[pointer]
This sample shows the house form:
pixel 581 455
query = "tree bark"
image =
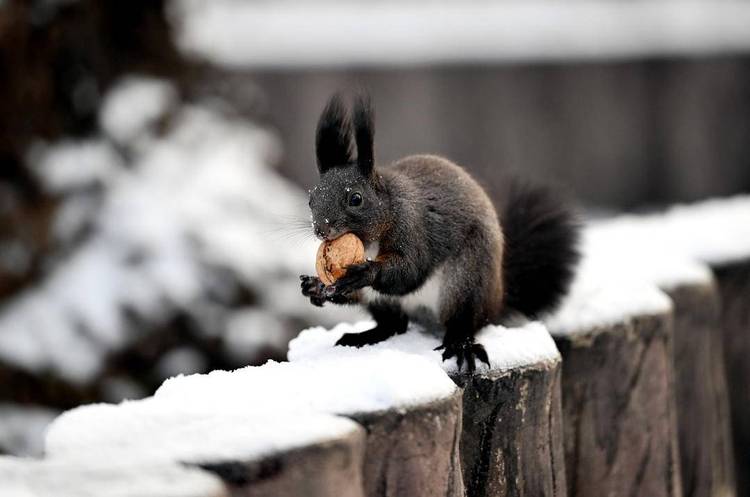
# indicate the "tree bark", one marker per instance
pixel 414 451
pixel 705 441
pixel 320 470
pixel 620 433
pixel 734 286
pixel 512 432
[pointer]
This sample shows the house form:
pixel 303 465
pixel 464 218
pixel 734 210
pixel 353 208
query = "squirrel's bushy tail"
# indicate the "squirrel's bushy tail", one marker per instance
pixel 541 233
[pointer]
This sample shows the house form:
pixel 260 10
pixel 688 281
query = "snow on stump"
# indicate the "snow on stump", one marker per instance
pixel 511 438
pixel 255 453
pixel 30 477
pixel 409 407
pixel 645 249
pixel 717 232
pixel 620 431
pixel 734 284
pixel 275 429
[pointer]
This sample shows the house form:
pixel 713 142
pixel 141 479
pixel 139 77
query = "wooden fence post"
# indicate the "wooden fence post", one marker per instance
pixel 646 248
pixel 705 438
pixel 619 426
pixel 511 439
pixel 512 431
pixel 734 285
pixel 310 454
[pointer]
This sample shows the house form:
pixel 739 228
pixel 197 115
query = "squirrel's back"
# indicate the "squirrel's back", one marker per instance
pixel 531 238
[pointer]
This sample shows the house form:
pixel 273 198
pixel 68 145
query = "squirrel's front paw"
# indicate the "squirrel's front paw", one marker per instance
pixel 357 276
pixel 313 288
pixel 464 349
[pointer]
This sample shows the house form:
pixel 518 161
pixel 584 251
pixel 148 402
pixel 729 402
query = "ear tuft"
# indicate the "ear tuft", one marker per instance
pixel 364 133
pixel 333 138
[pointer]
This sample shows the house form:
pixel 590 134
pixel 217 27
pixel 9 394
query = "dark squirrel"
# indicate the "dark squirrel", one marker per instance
pixel 434 238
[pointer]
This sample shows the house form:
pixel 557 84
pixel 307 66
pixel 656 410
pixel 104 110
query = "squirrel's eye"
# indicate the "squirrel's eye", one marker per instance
pixel 355 200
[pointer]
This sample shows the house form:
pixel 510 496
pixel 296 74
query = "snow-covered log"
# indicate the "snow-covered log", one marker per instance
pixel 734 284
pixel 644 248
pixel 28 477
pixel 256 454
pixel 620 431
pixel 717 233
pixel 511 438
pixel 276 429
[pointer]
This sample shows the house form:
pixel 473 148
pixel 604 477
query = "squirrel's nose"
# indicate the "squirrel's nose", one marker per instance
pixel 322 231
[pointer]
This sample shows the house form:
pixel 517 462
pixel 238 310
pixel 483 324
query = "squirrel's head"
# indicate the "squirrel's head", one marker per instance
pixel 350 195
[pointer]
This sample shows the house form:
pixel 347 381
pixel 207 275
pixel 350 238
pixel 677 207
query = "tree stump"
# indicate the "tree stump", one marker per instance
pixel 512 431
pixel 30 477
pixel 327 468
pixel 414 451
pixel 734 285
pixel 510 438
pixel 263 455
pixel 705 439
pixel 647 248
pixel 617 394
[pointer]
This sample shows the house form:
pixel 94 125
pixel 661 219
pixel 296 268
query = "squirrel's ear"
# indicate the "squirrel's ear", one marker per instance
pixel 364 132
pixel 334 136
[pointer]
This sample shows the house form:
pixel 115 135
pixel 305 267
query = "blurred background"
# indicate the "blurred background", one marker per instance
pixel 155 156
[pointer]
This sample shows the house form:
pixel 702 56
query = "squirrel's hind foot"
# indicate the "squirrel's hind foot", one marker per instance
pixel 369 337
pixel 465 350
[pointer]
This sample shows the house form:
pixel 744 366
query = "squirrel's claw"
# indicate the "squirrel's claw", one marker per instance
pixel 465 350
pixel 313 288
pixel 357 276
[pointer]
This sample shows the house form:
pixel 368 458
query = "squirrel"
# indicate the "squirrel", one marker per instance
pixel 434 239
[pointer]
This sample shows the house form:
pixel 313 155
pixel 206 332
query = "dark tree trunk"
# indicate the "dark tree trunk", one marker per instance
pixel 706 457
pixel 734 286
pixel 512 432
pixel 332 468
pixel 414 451
pixel 620 432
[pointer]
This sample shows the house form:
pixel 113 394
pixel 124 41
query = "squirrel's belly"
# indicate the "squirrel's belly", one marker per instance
pixel 426 296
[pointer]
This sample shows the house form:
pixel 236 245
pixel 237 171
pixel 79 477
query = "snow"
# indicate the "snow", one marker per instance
pixel 715 231
pixel 250 412
pixel 147 216
pixel 134 105
pixel 597 301
pixel 241 34
pixel 627 257
pixel 30 478
pixel 153 430
pixel 22 428
pixel 506 348
pixel 69 164
pixel 347 382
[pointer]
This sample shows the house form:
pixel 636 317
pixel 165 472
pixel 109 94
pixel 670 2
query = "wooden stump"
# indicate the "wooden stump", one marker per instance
pixel 734 286
pixel 510 435
pixel 512 432
pixel 30 477
pixel 705 441
pixel 414 451
pixel 256 455
pixel 324 469
pixel 619 422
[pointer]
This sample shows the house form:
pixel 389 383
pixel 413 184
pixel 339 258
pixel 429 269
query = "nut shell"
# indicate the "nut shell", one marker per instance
pixel 335 255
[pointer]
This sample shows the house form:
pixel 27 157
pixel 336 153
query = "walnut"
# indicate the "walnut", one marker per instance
pixel 335 255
